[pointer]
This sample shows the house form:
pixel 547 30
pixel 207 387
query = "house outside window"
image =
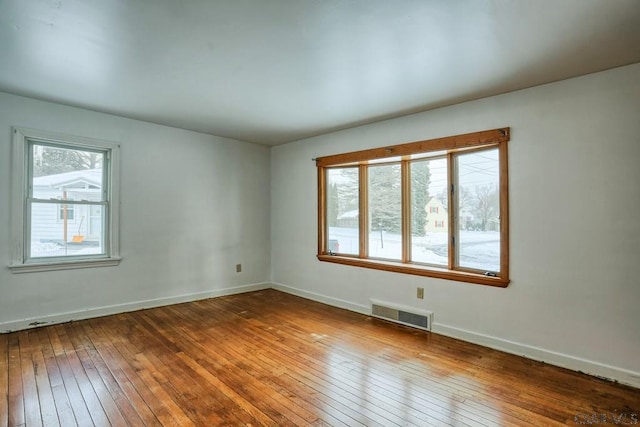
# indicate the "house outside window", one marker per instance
pixel 66 212
pixel 65 194
pixel 436 208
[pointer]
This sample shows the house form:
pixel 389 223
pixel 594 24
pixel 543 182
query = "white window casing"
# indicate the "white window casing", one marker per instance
pixel 21 179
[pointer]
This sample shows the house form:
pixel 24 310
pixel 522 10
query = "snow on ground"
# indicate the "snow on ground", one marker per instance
pixel 51 249
pixel 478 249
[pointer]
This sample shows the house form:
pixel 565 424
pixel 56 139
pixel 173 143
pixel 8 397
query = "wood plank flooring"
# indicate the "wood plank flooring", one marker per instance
pixel 269 358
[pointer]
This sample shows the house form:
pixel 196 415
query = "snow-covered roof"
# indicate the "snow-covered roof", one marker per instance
pixel 434 201
pixel 88 176
pixel 350 214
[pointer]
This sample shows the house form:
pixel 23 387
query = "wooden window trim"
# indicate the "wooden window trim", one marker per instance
pixel 363 206
pixel 451 144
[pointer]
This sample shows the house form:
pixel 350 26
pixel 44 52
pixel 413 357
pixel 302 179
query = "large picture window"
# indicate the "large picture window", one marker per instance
pixel 435 208
pixel 65 192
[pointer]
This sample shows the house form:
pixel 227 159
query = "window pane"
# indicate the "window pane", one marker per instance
pixel 66 174
pixel 343 210
pixel 429 216
pixel 66 211
pixel 53 235
pixel 479 210
pixel 385 211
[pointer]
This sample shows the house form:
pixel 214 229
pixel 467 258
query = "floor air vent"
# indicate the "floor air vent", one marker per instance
pixel 405 315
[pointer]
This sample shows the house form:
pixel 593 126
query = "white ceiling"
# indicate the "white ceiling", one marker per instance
pixel 274 71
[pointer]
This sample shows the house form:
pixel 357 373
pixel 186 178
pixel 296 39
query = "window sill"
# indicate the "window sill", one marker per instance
pixel 419 270
pixel 63 265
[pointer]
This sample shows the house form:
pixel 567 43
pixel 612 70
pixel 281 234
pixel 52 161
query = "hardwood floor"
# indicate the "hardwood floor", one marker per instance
pixel 269 358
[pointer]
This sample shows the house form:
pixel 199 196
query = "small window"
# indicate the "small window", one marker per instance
pixel 65 198
pixel 435 208
pixel 66 212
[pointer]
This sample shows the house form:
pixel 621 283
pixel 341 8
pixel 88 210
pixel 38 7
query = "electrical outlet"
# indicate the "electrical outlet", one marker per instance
pixel 420 293
pixel 238 268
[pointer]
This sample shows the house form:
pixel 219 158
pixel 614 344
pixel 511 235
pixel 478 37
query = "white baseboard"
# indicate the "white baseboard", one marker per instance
pixel 590 367
pixel 335 302
pixel 573 363
pixel 32 322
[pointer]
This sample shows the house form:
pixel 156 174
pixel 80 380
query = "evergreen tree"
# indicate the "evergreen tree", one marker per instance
pixel 55 160
pixel 348 190
pixel 385 199
pixel 332 205
pixel 420 177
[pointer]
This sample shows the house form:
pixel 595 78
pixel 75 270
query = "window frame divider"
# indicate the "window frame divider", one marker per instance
pixel 405 182
pixel 452 200
pixel 363 206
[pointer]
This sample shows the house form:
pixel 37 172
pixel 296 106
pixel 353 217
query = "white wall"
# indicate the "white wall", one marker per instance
pixel 192 207
pixel 574 171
